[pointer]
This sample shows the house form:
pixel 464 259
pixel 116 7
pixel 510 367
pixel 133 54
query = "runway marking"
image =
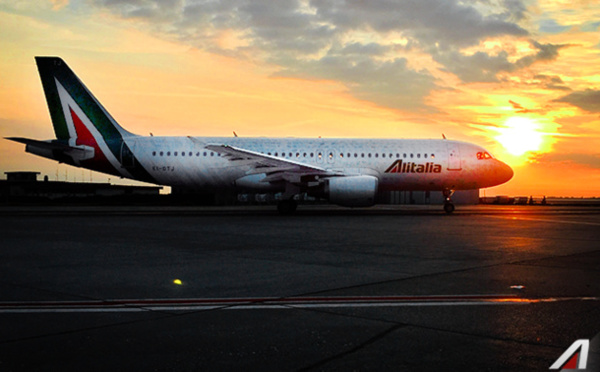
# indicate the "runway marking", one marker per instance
pixel 202 304
pixel 545 220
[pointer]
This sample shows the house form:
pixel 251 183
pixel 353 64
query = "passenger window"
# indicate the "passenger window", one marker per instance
pixel 383 155
pixel 411 155
pixel 425 155
pixel 161 153
pixel 419 156
pixel 404 155
pixel 175 153
pixel 153 153
pixel 168 153
pixel 182 153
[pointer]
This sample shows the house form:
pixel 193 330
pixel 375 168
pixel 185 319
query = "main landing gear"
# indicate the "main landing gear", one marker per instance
pixel 448 205
pixel 287 207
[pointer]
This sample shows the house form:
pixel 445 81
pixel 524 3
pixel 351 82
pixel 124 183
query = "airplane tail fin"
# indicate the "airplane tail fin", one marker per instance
pixel 71 103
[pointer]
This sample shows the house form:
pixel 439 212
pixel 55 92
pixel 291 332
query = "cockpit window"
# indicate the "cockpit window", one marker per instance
pixel 482 155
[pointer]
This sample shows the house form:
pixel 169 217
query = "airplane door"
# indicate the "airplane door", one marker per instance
pixel 127 160
pixel 454 157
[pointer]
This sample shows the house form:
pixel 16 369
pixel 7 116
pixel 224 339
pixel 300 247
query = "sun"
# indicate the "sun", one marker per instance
pixel 520 135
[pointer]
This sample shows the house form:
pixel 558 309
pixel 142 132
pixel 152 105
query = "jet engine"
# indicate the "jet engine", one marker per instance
pixel 353 191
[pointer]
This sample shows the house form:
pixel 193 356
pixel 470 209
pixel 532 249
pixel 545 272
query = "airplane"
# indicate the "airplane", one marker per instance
pixel 347 172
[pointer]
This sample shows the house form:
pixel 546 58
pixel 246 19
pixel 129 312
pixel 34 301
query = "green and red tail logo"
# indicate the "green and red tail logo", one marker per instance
pixel 80 120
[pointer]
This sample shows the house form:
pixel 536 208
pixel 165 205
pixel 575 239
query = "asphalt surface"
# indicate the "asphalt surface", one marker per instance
pixel 388 288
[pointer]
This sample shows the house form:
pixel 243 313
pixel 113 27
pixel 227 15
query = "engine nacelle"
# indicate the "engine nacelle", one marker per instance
pixel 354 191
pixel 254 182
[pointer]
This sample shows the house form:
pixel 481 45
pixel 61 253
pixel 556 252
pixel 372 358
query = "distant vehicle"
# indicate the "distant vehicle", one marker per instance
pixel 347 172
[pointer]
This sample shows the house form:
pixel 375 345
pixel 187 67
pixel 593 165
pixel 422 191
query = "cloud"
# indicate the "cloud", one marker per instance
pixel 587 160
pixel 351 41
pixel 427 21
pixel 546 52
pixel 59 4
pixel 551 82
pixel 519 108
pixel 389 83
pixel 550 26
pixel 588 100
pixel 483 67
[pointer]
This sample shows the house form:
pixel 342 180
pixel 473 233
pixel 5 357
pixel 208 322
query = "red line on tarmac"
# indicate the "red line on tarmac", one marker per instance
pixel 197 304
pixel 254 300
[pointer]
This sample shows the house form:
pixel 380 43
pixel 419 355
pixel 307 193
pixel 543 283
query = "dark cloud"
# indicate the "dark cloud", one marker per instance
pixel 546 52
pixel 452 23
pixel 318 38
pixel 479 67
pixel 588 100
pixel 519 108
pixel 389 83
pixel 482 67
pixel 359 49
pixel 551 82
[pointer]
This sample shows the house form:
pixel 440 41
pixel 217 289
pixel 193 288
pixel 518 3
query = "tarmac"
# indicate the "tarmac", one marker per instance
pixel 99 288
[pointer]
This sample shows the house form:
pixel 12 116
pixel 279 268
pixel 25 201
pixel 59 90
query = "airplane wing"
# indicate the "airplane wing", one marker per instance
pixel 276 169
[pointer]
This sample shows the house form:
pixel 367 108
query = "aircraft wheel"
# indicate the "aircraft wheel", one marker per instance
pixel 448 207
pixel 287 207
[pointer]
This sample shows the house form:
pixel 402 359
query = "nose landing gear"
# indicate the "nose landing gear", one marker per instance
pixel 448 205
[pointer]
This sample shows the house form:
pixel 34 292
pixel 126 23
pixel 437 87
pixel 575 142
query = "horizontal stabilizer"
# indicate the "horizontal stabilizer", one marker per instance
pixel 52 145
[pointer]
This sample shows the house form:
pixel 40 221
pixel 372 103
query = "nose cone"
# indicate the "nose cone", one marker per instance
pixel 504 172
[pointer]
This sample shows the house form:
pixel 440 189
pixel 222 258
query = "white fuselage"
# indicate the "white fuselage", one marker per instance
pixel 403 164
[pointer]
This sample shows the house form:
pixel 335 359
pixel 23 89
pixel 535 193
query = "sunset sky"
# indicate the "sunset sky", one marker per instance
pixel 519 77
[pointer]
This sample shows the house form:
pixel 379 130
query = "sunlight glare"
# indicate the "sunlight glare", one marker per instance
pixel 520 135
